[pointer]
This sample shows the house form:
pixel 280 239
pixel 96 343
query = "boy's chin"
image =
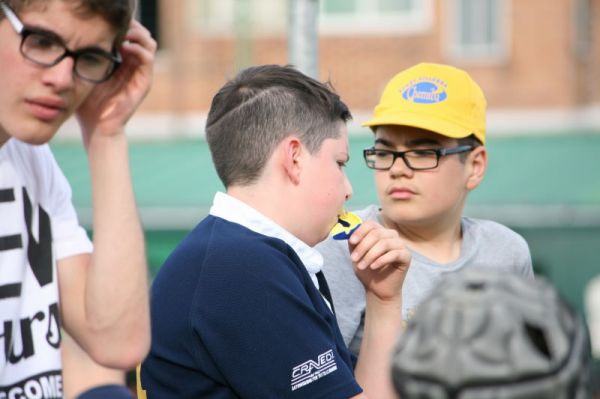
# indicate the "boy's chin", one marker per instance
pixel 37 135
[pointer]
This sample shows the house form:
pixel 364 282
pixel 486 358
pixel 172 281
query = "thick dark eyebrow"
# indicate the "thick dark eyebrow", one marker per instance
pixel 55 36
pixel 421 141
pixel 383 142
pixel 45 32
pixel 424 141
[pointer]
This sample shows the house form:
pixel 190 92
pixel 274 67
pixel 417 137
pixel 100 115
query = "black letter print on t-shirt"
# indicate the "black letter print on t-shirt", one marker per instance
pixel 39 252
pixel 8 243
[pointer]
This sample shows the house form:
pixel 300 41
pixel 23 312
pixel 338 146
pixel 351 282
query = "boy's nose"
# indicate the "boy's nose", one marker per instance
pixel 60 75
pixel 400 167
pixel 348 188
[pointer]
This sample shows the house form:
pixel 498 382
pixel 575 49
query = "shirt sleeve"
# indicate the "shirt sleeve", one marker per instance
pixel 263 332
pixel 519 250
pixel 69 238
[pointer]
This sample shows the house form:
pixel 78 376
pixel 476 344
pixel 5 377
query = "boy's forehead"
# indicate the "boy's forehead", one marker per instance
pixel 343 130
pixel 35 5
pixel 57 16
pixel 344 136
pixel 401 134
pixel 338 144
pixel 78 8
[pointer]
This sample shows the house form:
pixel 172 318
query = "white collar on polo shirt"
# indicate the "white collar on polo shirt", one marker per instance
pixel 233 210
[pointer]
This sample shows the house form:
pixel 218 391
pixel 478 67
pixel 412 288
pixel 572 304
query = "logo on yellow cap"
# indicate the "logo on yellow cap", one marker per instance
pixel 425 91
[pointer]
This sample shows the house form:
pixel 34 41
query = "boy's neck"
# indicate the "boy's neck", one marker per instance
pixel 439 241
pixel 264 201
pixel 3 138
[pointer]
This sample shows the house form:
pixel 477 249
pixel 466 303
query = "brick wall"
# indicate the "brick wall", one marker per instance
pixel 541 71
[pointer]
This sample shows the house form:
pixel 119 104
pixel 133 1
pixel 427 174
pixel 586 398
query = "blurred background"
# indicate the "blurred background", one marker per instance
pixel 538 62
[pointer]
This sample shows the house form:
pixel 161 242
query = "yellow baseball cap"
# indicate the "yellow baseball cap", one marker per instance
pixel 435 97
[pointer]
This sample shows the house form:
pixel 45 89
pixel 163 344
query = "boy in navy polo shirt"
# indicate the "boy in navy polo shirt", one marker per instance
pixel 237 310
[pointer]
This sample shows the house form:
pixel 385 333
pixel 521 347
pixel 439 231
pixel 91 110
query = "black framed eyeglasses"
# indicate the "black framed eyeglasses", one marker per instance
pixel 47 49
pixel 421 159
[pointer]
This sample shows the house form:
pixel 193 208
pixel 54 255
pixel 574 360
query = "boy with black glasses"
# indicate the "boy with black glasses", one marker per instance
pixel 57 59
pixel 428 154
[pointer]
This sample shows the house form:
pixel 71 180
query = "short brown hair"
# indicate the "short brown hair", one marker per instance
pixel 261 106
pixel 117 13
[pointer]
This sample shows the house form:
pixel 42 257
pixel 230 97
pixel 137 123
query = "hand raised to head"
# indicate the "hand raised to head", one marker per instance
pixel 110 104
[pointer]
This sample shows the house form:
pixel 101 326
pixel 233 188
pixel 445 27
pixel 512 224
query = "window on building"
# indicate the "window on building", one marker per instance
pixel 376 16
pixel 478 29
pixel 582 26
pixel 333 7
pixel 225 17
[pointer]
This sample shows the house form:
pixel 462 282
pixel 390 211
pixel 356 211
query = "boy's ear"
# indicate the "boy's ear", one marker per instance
pixel 292 152
pixel 477 165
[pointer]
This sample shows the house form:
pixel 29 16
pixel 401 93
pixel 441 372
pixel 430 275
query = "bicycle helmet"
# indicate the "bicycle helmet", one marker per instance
pixel 484 335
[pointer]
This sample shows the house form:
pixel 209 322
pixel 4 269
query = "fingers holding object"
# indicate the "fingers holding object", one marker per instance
pixel 374 246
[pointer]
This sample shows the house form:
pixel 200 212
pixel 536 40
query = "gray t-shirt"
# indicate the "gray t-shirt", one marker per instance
pixel 486 245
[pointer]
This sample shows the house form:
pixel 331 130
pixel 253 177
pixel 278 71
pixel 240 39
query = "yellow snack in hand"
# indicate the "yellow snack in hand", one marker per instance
pixel 347 223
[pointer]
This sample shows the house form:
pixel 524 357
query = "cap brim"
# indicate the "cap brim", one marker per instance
pixel 443 127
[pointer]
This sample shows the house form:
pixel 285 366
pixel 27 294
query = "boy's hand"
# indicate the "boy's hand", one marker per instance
pixel 110 104
pixel 380 260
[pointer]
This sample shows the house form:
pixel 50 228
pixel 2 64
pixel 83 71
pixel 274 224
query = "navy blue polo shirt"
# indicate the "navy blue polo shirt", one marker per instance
pixel 235 314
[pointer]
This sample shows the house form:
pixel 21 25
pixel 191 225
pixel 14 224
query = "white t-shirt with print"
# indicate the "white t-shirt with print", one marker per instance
pixel 38 225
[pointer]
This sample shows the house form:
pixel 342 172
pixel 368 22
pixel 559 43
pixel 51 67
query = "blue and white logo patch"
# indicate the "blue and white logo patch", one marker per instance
pixel 425 91
pixel 312 370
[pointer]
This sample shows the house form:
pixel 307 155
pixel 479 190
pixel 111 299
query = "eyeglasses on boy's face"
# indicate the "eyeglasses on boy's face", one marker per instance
pixel 47 49
pixel 421 159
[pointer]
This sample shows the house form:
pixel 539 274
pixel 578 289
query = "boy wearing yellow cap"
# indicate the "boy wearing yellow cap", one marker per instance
pixel 428 154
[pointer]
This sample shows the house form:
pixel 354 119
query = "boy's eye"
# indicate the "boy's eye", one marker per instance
pixel 39 41
pixel 91 59
pixel 382 153
pixel 423 153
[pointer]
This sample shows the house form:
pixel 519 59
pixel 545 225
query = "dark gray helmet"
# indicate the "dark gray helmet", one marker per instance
pixel 484 335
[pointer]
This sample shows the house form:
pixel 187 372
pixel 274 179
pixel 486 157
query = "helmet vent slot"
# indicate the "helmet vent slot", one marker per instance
pixel 538 338
pixel 476 285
